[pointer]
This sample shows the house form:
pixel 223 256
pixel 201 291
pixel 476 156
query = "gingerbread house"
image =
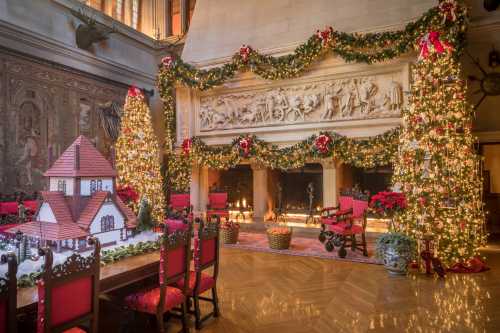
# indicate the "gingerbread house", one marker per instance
pixel 81 202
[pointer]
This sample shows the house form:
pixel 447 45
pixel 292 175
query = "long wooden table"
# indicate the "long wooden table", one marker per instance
pixel 113 276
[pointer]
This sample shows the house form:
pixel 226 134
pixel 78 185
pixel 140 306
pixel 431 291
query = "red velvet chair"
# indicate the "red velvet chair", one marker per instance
pixel 348 229
pixel 206 255
pixel 68 293
pixel 175 255
pixel 173 225
pixel 217 205
pixel 181 203
pixel 8 295
pixel 333 215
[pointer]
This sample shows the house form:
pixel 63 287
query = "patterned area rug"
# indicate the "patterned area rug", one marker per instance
pixel 301 246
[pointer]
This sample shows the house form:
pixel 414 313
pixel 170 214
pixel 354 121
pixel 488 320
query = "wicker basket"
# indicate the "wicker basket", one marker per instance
pixel 279 241
pixel 229 236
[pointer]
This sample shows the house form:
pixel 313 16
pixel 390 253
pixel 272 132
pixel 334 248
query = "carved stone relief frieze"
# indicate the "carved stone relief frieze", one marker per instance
pixel 364 97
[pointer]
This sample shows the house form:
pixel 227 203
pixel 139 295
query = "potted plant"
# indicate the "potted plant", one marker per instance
pixel 279 237
pixel 396 250
pixel 229 231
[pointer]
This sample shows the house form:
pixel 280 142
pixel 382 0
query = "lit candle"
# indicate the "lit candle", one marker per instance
pixel 238 204
pixel 244 203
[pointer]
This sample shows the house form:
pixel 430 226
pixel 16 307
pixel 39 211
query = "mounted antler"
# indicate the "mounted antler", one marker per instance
pixel 89 31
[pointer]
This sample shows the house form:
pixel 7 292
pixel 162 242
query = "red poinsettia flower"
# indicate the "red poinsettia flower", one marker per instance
pixel 245 144
pixel 322 142
pixel 133 91
pixel 245 52
pixel 167 61
pixel 186 146
pixel 325 35
pixel 127 194
pixel 387 203
pixel 448 9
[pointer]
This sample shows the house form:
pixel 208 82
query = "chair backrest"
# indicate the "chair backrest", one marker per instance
pixel 345 202
pixel 206 246
pixel 359 208
pixel 174 225
pixel 175 253
pixel 218 200
pixel 68 293
pixel 180 201
pixel 8 295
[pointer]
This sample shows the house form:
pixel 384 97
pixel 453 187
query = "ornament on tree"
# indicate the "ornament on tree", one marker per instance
pixel 322 143
pixel 448 9
pixel 186 146
pixel 431 43
pixel 245 52
pixel 167 61
pixel 326 36
pixel 135 92
pixel 244 145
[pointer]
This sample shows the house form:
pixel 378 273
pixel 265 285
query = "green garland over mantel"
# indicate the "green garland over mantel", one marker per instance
pixel 443 25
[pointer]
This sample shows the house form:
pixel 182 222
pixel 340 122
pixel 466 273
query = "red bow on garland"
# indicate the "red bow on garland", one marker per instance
pixel 325 36
pixel 167 61
pixel 322 143
pixel 245 144
pixel 432 42
pixel 186 146
pixel 448 9
pixel 245 52
pixel 133 91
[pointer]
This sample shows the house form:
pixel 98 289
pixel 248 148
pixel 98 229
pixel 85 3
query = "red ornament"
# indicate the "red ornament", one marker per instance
pixel 245 52
pixel 186 146
pixel 133 91
pixel 322 142
pixel 245 144
pixel 431 42
pixel 326 36
pixel 167 61
pixel 448 9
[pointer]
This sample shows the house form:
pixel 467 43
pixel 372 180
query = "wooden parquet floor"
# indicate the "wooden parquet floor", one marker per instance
pixel 272 293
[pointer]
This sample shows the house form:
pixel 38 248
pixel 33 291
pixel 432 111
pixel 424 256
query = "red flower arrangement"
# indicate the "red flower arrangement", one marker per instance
pixel 325 35
pixel 245 52
pixel 387 203
pixel 322 143
pixel 431 42
pixel 127 194
pixel 448 9
pixel 186 146
pixel 245 144
pixel 167 61
pixel 133 91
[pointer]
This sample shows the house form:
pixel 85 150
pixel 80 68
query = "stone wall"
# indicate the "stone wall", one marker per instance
pixel 43 108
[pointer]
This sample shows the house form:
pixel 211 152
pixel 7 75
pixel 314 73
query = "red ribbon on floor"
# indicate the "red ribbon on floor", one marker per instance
pixel 475 265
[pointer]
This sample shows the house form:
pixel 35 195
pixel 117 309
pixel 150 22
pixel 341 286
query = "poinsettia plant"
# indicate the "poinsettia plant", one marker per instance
pixel 245 145
pixel 323 143
pixel 387 203
pixel 127 194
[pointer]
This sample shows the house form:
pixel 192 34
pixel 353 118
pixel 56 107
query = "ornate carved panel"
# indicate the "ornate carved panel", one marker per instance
pixel 43 109
pixel 326 100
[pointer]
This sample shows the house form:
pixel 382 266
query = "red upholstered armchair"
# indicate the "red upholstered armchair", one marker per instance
pixel 333 215
pixel 217 205
pixel 180 203
pixel 175 254
pixel 206 255
pixel 8 295
pixel 346 231
pixel 68 293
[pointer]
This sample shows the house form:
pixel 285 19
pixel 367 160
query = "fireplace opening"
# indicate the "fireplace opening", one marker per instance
pixel 374 180
pixel 301 189
pixel 237 182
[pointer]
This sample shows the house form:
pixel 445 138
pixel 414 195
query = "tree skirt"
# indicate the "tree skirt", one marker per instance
pixel 301 246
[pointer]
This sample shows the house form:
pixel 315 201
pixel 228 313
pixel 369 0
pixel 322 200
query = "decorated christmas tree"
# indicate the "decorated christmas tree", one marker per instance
pixel 137 154
pixel 437 166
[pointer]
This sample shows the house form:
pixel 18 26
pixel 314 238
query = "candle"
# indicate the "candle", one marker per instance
pixel 244 203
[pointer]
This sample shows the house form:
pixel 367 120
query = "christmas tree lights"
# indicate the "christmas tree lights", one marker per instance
pixel 137 154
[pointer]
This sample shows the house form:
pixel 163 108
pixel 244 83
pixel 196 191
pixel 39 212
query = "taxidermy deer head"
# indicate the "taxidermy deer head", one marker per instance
pixel 89 32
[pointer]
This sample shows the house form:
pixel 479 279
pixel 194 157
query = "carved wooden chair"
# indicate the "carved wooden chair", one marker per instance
pixel 331 216
pixel 180 204
pixel 347 230
pixel 217 205
pixel 173 225
pixel 68 293
pixel 206 255
pixel 175 254
pixel 8 295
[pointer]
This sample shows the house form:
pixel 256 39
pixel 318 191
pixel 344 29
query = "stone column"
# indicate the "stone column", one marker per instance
pixel 204 187
pixel 260 192
pixel 329 183
pixel 194 189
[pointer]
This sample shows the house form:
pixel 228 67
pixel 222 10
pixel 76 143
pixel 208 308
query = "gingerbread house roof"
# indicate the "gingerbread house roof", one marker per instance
pixel 59 206
pixel 81 159
pixel 130 217
pixel 50 230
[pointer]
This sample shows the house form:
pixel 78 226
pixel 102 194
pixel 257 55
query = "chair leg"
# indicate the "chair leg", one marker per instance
pixel 160 322
pixel 185 328
pixel 342 251
pixel 363 239
pixel 215 300
pixel 197 313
